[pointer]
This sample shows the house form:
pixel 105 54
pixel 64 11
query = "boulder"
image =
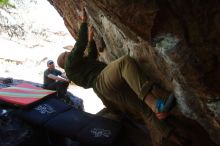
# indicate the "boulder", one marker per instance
pixel 175 42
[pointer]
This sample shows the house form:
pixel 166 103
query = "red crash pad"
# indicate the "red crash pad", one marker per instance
pixel 23 94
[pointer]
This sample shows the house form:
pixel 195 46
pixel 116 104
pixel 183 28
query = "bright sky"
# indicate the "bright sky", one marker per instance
pixel 45 14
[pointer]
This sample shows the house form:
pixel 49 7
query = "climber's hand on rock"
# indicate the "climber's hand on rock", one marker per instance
pixel 91 33
pixel 84 15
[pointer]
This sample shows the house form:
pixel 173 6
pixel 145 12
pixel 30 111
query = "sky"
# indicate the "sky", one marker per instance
pixel 45 14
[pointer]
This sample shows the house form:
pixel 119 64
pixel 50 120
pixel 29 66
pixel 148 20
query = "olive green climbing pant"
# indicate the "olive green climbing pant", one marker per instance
pixel 123 86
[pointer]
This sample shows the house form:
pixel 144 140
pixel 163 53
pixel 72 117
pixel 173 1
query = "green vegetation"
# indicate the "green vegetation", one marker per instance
pixel 6 3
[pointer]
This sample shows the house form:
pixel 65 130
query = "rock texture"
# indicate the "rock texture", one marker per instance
pixel 176 43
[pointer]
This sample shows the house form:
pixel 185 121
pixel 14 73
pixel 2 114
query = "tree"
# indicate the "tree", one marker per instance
pixel 6 3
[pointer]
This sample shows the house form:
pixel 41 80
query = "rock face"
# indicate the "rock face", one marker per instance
pixel 176 43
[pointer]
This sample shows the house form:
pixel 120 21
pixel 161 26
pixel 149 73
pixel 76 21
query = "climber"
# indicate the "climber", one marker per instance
pixel 120 85
pixel 55 80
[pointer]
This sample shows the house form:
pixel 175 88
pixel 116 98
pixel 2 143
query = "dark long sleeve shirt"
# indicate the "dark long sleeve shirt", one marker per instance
pixel 83 70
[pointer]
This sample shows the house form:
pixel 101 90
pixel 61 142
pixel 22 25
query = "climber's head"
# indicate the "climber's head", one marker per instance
pixel 62 59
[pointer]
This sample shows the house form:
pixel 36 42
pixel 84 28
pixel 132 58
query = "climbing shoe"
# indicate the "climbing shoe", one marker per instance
pixel 166 105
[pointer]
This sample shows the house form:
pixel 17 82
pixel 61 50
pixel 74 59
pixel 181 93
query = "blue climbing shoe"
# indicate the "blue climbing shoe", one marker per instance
pixel 166 105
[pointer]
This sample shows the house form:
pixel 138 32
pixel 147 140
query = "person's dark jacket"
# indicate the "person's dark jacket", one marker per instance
pixel 81 69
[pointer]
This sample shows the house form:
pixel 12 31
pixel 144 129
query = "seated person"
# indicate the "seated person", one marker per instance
pixel 55 80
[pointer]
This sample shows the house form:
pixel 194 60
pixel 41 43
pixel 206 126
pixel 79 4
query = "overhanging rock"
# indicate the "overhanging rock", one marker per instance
pixel 175 42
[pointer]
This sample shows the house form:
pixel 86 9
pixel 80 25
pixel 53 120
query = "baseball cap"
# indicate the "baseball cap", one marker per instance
pixel 49 62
